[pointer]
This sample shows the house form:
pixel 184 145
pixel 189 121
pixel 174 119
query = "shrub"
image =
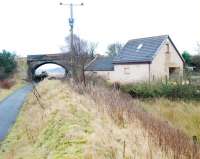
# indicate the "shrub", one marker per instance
pixel 6 84
pixel 8 64
pixel 187 57
pixel 195 61
pixel 169 90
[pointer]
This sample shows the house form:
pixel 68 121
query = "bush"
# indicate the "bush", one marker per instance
pixel 187 57
pixel 8 64
pixel 170 90
pixel 195 61
pixel 6 84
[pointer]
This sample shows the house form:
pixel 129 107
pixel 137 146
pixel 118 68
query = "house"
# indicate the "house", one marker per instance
pixel 143 59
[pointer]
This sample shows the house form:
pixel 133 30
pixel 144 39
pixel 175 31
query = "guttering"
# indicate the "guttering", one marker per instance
pixel 132 62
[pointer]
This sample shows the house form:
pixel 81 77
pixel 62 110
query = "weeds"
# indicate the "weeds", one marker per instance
pixel 123 109
pixel 6 84
pixel 169 90
pixel 9 86
pixel 100 123
pixel 181 114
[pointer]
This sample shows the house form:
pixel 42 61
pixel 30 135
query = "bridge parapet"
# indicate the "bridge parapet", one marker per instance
pixel 46 57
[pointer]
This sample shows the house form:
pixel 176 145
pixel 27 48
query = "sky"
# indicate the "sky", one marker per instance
pixel 51 69
pixel 40 26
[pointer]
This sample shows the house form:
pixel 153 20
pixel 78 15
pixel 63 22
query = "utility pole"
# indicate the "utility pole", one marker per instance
pixel 71 21
pixel 72 49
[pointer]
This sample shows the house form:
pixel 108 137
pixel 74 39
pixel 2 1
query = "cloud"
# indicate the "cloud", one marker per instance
pixel 39 26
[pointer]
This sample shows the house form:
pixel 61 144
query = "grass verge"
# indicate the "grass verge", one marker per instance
pixel 180 114
pixel 6 92
pixel 91 123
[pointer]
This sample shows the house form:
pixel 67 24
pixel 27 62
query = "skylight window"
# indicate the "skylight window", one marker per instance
pixel 139 46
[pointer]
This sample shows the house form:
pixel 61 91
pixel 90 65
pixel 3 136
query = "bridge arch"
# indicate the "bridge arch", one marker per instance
pixel 35 61
pixel 50 62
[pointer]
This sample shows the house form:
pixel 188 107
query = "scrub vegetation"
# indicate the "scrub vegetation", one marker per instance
pixel 15 79
pixel 91 122
pixel 180 114
pixel 8 64
pixel 171 90
pixel 174 102
pixel 9 86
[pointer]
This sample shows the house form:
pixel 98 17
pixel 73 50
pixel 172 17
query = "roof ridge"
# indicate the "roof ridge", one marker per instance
pixel 164 35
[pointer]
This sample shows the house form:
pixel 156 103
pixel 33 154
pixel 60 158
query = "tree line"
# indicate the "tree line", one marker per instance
pixel 8 64
pixel 192 60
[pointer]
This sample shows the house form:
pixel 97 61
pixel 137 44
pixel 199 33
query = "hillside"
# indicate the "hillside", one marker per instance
pixel 74 125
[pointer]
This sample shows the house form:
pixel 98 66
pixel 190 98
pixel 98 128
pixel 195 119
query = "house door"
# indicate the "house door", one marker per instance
pixel 174 72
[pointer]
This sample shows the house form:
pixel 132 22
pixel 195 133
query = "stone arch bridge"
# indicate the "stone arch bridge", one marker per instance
pixel 35 61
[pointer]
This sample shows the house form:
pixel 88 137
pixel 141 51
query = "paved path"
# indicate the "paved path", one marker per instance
pixel 9 109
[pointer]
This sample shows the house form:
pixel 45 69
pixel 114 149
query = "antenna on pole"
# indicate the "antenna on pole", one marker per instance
pixel 71 19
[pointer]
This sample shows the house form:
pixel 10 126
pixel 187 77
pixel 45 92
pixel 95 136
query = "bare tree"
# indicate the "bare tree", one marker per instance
pixel 92 48
pixel 198 48
pixel 79 55
pixel 114 49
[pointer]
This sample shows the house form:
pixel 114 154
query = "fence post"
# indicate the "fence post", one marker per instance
pixel 37 95
pixel 166 80
pixel 181 80
pixel 194 138
pixel 124 149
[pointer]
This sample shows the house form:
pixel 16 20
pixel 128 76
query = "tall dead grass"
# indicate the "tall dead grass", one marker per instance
pixel 100 123
pixel 124 110
pixel 73 126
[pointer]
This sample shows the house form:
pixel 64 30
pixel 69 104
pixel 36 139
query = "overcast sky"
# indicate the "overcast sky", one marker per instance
pixel 39 26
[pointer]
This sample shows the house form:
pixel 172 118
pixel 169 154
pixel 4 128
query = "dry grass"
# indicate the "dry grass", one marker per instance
pixel 6 92
pixel 22 68
pixel 83 125
pixel 180 114
pixel 122 110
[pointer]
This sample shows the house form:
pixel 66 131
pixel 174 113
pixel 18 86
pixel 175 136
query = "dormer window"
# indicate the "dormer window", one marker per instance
pixel 139 47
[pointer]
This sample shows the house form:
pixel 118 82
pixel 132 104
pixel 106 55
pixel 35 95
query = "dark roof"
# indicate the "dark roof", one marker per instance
pixel 140 50
pixel 100 63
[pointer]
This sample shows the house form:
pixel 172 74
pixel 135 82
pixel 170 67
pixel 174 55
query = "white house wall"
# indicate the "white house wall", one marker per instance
pixel 125 73
pixel 105 74
pixel 130 73
pixel 157 67
pixel 162 61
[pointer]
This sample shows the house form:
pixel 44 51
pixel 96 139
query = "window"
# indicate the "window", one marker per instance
pixel 94 73
pixel 139 46
pixel 126 70
pixel 167 48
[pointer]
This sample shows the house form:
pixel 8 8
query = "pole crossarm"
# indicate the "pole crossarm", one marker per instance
pixel 73 4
